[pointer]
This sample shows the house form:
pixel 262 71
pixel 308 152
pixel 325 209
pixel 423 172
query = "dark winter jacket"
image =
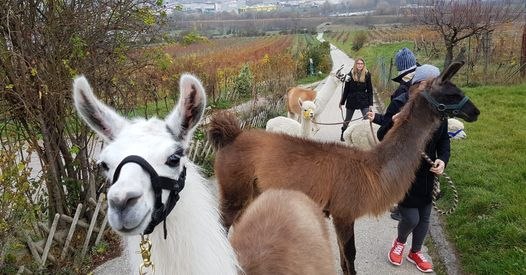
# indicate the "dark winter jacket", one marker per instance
pixel 421 190
pixel 357 95
pixel 403 88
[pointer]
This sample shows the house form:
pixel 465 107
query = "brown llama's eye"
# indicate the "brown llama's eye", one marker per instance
pixel 173 160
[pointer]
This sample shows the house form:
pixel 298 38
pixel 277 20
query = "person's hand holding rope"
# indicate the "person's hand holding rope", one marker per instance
pixel 438 167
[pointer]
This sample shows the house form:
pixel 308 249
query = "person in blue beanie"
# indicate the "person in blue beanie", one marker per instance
pixel 406 64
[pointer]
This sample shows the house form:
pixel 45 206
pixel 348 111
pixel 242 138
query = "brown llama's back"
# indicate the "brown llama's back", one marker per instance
pixel 283 232
pixel 293 94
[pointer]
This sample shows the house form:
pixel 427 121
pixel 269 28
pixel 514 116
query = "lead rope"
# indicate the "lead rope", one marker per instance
pixel 436 182
pixel 436 189
pixel 146 254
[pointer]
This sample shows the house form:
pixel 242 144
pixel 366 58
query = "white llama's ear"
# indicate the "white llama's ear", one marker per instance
pixel 189 110
pixel 300 102
pixel 101 118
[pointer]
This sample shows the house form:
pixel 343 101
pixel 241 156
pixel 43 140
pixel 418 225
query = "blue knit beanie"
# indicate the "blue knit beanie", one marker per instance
pixel 405 59
pixel 425 72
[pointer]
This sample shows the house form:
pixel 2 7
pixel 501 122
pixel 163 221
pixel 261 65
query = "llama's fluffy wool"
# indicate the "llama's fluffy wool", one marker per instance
pixel 359 135
pixel 284 125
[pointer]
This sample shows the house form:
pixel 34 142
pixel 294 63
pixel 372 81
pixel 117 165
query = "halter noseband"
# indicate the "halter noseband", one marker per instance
pixel 160 211
pixel 445 109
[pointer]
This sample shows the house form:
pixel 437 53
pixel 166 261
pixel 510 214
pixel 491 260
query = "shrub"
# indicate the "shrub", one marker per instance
pixel 16 209
pixel 359 40
pixel 244 81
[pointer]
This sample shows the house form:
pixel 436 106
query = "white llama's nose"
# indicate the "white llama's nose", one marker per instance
pixel 124 199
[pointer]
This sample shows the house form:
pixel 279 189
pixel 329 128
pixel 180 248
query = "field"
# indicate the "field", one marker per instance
pixel 496 62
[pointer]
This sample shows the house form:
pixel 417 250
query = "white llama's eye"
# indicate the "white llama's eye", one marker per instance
pixel 103 165
pixel 173 160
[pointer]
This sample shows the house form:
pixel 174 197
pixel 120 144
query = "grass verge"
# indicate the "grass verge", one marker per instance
pixel 489 169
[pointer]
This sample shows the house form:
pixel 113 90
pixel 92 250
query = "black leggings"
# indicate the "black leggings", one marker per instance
pixel 350 112
pixel 416 221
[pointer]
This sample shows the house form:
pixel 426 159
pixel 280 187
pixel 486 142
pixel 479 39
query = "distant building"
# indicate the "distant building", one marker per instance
pixel 258 8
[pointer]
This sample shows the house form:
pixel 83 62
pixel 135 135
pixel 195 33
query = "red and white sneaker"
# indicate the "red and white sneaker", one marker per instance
pixel 420 261
pixel 395 254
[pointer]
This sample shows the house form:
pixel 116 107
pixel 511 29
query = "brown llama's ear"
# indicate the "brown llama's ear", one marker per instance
pixel 453 68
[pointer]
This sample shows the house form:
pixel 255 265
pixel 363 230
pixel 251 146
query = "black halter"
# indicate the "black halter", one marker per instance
pixel 444 109
pixel 160 211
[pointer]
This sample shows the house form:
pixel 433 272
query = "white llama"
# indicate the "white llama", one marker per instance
pixel 196 242
pixel 359 134
pixel 332 85
pixel 292 127
pixel 455 129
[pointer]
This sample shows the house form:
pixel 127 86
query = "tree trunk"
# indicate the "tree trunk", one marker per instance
pixel 523 52
pixel 449 54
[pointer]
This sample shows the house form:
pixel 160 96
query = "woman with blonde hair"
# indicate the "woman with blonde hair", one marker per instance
pixel 358 92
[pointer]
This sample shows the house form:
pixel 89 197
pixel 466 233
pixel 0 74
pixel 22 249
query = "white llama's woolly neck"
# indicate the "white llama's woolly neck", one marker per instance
pixel 306 126
pixel 196 241
pixel 328 89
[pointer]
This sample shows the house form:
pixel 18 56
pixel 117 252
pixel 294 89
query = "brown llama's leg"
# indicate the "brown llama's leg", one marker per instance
pixel 345 232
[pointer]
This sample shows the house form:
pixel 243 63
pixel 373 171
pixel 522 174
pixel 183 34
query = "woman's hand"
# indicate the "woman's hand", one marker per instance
pixel 370 115
pixel 438 167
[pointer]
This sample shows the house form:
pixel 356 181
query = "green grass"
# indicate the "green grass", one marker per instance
pixel 311 78
pixel 489 169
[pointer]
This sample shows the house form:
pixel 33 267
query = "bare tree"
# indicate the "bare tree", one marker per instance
pixel 523 52
pixel 458 20
pixel 43 44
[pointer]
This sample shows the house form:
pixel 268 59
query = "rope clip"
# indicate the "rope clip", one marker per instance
pixel 146 254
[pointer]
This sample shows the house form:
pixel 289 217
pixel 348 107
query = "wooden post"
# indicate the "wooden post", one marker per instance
pixel 49 239
pixel 101 231
pixel 79 222
pixel 91 226
pixel 32 247
pixel 71 231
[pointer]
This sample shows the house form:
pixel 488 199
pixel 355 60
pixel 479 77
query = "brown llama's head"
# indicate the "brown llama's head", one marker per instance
pixel 447 99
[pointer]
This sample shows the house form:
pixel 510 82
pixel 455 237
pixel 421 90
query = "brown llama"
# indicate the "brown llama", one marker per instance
pixel 346 182
pixel 293 96
pixel 287 225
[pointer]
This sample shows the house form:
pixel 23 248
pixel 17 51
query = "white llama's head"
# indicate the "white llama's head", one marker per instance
pixel 161 143
pixel 308 109
pixel 455 129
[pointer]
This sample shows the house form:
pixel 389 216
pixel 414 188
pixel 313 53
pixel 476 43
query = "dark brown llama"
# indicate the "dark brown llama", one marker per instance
pixel 292 235
pixel 347 182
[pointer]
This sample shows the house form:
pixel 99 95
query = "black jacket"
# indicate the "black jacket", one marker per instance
pixel 403 88
pixel 357 95
pixel 421 191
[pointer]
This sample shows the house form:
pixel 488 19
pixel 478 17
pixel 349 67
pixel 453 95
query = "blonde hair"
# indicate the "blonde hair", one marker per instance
pixel 357 75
